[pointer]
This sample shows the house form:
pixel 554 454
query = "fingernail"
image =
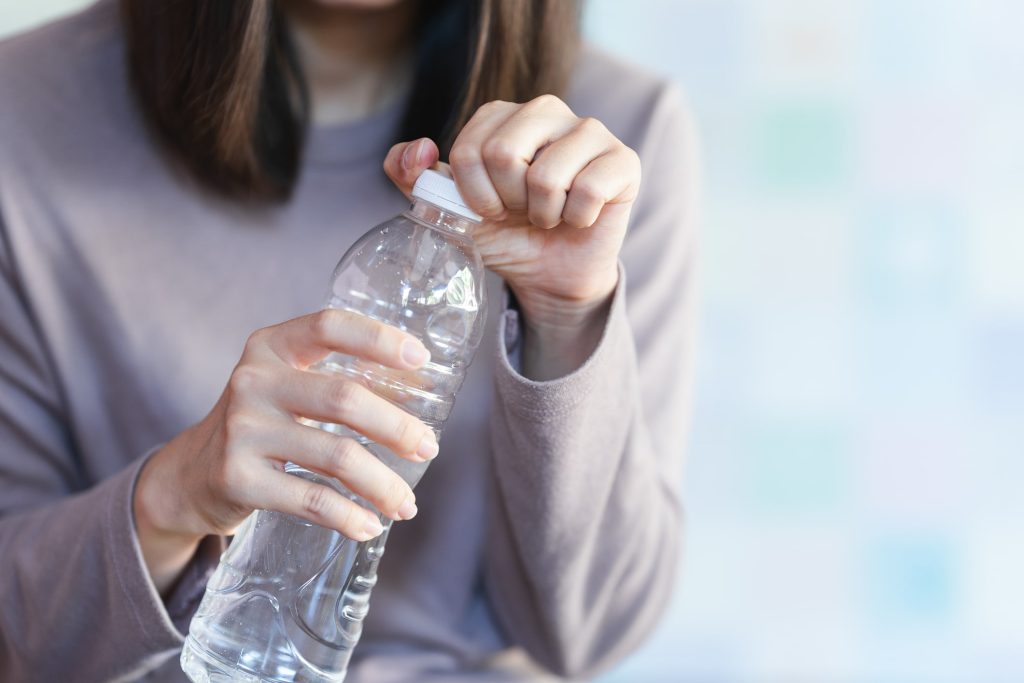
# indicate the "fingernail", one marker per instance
pixel 409 155
pixel 373 528
pixel 414 353
pixel 408 509
pixel 428 447
pixel 421 152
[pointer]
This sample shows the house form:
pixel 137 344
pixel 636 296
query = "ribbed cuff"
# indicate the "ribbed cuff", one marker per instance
pixel 163 624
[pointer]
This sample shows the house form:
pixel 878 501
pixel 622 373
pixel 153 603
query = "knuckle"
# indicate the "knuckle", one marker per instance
pixel 463 156
pixel 547 101
pixel 588 192
pixel 631 161
pixel 542 220
pixel 394 493
pixel 324 324
pixel 589 124
pixel 409 434
pixel 493 107
pixel 500 153
pixel 348 519
pixel 542 181
pixel 342 456
pixel 376 335
pixel 631 157
pixel 258 338
pixel 245 379
pixel 316 501
pixel 491 208
pixel 238 426
pixel 344 395
pixel 576 215
pixel 575 220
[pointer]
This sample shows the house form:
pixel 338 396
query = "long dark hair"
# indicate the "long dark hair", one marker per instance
pixel 220 85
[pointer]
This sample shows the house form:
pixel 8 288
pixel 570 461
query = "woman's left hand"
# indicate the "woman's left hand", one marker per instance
pixel 555 191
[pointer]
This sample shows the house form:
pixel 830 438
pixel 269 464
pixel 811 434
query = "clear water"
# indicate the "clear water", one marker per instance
pixel 287 603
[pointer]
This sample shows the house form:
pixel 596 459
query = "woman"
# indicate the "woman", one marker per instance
pixel 178 178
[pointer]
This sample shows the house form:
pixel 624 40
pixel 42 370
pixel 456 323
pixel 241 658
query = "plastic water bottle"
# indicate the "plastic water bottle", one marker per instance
pixel 288 600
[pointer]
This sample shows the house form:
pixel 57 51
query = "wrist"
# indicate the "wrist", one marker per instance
pixel 167 545
pixel 162 501
pixel 158 511
pixel 556 318
pixel 558 338
pixel 558 330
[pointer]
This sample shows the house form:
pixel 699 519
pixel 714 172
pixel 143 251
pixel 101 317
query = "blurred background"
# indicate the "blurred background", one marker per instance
pixel 855 478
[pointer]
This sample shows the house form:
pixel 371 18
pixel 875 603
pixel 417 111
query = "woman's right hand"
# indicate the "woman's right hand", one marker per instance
pixel 210 477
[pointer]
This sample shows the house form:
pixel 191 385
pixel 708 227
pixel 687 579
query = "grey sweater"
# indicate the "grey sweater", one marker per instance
pixel 550 527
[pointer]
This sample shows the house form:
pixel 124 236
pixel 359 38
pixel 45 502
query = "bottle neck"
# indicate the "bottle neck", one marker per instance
pixel 436 217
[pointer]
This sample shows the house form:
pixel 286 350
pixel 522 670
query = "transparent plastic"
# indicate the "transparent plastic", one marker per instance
pixel 287 603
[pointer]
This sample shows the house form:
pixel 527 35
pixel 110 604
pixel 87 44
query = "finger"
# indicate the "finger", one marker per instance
pixel 610 179
pixel 346 460
pixel 405 162
pixel 307 339
pixel 552 174
pixel 515 144
pixel 334 399
pixel 316 503
pixel 467 163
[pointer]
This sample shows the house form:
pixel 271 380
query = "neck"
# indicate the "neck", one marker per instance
pixel 356 62
pixel 441 219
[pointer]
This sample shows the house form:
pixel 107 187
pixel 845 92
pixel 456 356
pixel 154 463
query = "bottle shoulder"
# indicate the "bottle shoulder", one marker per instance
pixel 417 278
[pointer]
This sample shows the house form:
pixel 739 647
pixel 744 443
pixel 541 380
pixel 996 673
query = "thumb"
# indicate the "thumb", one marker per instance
pixel 407 160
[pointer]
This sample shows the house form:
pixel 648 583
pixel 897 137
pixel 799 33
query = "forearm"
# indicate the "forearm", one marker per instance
pixel 586 527
pixel 579 598
pixel 73 582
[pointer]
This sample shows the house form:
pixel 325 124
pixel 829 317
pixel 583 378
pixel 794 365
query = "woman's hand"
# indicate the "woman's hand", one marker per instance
pixel 555 191
pixel 213 475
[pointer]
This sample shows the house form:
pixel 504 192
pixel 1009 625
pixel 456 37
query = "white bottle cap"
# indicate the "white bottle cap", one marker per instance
pixel 440 190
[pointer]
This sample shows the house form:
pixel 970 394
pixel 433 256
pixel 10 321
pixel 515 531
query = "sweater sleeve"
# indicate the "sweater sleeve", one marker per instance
pixel 586 524
pixel 78 603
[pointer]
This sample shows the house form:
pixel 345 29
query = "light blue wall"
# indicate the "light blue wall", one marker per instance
pixel 17 16
pixel 855 474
